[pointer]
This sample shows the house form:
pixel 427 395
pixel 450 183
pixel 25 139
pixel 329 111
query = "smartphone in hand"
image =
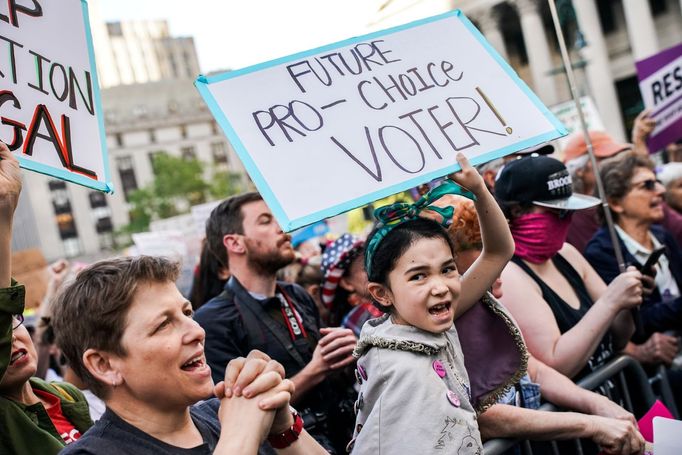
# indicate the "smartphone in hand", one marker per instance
pixel 648 267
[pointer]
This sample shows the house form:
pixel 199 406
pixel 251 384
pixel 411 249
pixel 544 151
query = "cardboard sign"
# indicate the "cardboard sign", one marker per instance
pixel 201 214
pixel 660 81
pixel 333 128
pixel 567 113
pixel 30 269
pixel 667 439
pixel 50 109
pixel 170 244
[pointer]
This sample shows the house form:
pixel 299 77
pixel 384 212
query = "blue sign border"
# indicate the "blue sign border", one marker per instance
pixel 61 173
pixel 202 83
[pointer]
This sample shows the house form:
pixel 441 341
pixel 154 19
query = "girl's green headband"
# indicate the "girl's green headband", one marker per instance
pixel 393 215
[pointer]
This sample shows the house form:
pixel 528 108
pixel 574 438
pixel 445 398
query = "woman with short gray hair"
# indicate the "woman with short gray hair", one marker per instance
pixel 635 199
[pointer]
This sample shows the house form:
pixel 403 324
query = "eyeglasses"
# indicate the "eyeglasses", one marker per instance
pixel 17 320
pixel 648 184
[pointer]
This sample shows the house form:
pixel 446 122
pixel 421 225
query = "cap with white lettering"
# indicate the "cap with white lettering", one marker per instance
pixel 542 181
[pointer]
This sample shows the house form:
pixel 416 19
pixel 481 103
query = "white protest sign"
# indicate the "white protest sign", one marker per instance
pixel 333 128
pixel 667 436
pixel 567 113
pixel 183 223
pixel 169 244
pixel 200 214
pixel 50 109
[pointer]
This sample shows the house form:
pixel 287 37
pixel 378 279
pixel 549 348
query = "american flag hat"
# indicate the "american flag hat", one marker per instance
pixel 335 260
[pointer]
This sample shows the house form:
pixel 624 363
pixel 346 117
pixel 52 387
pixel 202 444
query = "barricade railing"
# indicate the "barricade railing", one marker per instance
pixel 635 381
pixel 666 392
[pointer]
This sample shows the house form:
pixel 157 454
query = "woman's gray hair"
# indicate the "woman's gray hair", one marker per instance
pixel 616 174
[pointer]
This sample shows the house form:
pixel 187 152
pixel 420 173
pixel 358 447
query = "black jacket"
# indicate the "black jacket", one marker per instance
pixel 236 323
pixel 657 315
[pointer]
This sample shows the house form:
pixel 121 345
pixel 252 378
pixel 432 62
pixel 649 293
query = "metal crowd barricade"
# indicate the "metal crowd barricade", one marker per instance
pixel 665 391
pixel 636 381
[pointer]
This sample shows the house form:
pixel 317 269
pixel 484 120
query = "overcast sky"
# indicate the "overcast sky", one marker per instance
pixel 234 34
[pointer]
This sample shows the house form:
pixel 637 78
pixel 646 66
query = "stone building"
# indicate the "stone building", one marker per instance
pixel 614 34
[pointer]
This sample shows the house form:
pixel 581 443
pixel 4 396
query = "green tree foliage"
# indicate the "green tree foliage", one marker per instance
pixel 178 179
pixel 225 183
pixel 178 185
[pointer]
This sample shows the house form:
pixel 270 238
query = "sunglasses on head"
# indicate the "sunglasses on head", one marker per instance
pixel 648 184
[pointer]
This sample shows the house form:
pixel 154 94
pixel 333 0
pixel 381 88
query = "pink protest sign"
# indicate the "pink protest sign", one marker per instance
pixel 646 423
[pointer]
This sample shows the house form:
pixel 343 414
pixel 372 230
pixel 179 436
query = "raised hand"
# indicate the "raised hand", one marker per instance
pixel 468 177
pixel 335 348
pixel 10 181
pixel 644 125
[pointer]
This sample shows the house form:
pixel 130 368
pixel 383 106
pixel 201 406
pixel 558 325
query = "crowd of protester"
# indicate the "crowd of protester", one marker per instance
pixel 447 325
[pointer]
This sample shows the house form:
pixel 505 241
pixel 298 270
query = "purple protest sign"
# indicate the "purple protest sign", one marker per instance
pixel 660 81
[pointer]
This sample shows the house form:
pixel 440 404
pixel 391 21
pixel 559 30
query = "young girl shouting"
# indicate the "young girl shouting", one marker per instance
pixel 414 390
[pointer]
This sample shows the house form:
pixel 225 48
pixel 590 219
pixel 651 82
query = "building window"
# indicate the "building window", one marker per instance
pixel 106 241
pixel 114 29
pixel 72 247
pixel 56 185
pixel 61 205
pixel 97 199
pixel 60 197
pixel 152 136
pixel 67 226
pixel 188 153
pixel 215 129
pixel 183 131
pixel 140 111
pixel 658 7
pixel 219 152
pixel 118 137
pixel 127 175
pixel 174 66
pixel 606 16
pixel 104 224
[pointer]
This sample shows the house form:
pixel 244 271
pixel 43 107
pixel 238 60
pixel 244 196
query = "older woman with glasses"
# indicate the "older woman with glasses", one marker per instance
pixel 37 417
pixel 635 199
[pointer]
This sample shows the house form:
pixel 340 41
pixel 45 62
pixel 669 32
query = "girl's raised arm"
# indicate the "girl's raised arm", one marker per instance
pixel 498 244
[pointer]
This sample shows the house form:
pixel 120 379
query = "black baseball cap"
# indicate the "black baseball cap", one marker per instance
pixel 542 181
pixel 545 148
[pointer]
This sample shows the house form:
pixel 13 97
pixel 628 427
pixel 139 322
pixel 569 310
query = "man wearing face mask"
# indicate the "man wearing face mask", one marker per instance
pixel 570 319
